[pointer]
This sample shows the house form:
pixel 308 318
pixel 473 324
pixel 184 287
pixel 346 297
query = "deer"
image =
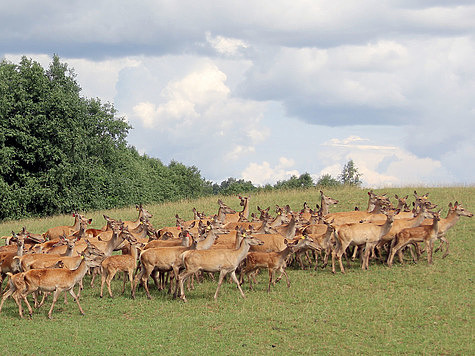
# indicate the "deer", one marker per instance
pixel 239 216
pixel 368 234
pixel 55 232
pixel 181 240
pixel 143 214
pixel 121 263
pixel 16 285
pixel 56 280
pixel 9 263
pixel 426 233
pixel 274 261
pixel 223 261
pixel 162 259
pixel 455 212
pixel 377 203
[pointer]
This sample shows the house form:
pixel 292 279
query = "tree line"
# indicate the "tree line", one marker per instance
pixel 61 152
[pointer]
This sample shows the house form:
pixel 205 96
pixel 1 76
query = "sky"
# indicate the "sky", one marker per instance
pixel 263 90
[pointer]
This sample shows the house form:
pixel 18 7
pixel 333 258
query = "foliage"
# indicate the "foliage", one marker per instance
pixel 61 152
pixel 350 175
pixel 233 186
pixel 303 181
pixel 327 180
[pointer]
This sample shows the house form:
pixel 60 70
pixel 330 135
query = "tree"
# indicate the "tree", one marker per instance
pixel 61 152
pixel 350 175
pixel 294 182
pixel 327 180
pixel 233 186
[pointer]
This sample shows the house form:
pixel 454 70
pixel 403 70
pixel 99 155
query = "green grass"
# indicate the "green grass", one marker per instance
pixel 409 309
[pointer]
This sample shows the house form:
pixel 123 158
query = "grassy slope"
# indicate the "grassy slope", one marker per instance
pixel 405 309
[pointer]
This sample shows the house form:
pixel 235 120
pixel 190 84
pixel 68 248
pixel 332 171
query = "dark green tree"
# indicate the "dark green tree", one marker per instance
pixel 327 180
pixel 233 186
pixel 61 152
pixel 294 182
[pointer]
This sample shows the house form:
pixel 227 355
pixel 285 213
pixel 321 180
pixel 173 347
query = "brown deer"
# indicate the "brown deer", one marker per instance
pixel 427 234
pixel 56 280
pixel 223 261
pixel 161 259
pixel 274 261
pixel 55 232
pixel 239 216
pixel 16 286
pixel 121 263
pixel 455 212
pixel 368 234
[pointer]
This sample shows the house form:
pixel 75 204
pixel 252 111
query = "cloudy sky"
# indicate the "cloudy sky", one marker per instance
pixel 263 90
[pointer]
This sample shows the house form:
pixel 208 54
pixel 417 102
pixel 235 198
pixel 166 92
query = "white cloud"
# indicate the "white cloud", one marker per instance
pixel 226 46
pixel 238 152
pixel 264 173
pixel 382 165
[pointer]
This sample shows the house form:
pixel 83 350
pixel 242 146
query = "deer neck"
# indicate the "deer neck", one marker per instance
pixel 286 252
pixel 242 251
pixel 80 272
pixel 324 207
pixel 387 226
pixel 451 219
pixel 143 233
pixel 69 251
pixel 112 244
pixel 208 241
pixel 245 209
pixel 289 231
pixel 418 219
pixel 277 221
pixel 77 222
pixel 221 214
pixel 19 251
pixel 134 252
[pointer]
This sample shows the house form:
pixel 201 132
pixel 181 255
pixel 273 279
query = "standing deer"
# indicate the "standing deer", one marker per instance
pixel 222 261
pixel 426 233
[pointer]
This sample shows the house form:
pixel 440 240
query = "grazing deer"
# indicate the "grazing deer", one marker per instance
pixel 427 234
pixel 222 261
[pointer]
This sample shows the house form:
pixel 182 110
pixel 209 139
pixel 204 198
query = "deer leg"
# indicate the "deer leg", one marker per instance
pixel 355 252
pixel 77 300
pixel 103 280
pixel 55 297
pixel 181 278
pixel 447 246
pixel 131 278
pixel 109 278
pixel 233 276
pixel 222 274
pixel 429 247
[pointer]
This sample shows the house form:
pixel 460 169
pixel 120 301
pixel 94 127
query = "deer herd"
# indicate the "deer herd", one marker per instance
pixel 231 243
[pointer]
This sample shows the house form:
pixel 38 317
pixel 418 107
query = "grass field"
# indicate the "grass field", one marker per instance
pixel 409 309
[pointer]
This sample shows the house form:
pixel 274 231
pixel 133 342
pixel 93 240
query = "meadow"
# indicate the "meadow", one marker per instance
pixel 406 309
